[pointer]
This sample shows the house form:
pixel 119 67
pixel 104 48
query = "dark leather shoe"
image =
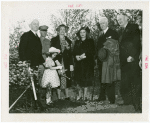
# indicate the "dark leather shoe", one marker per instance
pixel 67 98
pixel 123 104
pixel 112 103
pixel 80 99
pixel 100 99
pixel 58 100
pixel 51 105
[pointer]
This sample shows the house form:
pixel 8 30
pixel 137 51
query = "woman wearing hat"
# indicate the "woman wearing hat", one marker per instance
pixel 63 43
pixel 84 51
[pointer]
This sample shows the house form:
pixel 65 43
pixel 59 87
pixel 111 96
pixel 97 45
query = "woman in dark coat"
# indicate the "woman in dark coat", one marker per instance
pixel 84 51
pixel 65 58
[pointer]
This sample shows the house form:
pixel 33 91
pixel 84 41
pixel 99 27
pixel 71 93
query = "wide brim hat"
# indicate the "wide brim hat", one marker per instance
pixel 86 28
pixel 53 50
pixel 62 25
pixel 103 54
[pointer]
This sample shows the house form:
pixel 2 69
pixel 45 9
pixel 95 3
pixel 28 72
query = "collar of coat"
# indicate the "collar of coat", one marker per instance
pixel 33 34
pixel 102 34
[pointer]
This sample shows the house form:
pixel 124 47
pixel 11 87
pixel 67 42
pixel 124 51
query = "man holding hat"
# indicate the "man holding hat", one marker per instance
pixel 45 48
pixel 107 86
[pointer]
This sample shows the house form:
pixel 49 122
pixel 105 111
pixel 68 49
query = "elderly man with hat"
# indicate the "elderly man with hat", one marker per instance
pixel 105 62
pixel 45 48
pixel 62 42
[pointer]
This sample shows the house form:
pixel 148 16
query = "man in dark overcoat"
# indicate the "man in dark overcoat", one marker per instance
pixel 131 84
pixel 30 49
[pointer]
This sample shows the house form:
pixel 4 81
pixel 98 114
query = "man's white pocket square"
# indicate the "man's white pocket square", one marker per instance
pixel 109 37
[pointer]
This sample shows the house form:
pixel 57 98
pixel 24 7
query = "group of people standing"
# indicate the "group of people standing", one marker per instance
pixel 116 56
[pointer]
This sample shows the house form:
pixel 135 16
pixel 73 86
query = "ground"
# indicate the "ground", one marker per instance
pixel 73 106
pixel 78 107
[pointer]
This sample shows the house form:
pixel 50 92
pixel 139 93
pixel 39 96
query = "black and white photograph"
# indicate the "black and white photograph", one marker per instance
pixel 74 60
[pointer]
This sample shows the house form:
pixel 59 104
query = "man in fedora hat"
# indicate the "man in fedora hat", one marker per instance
pixel 45 48
pixel 105 86
pixel 63 43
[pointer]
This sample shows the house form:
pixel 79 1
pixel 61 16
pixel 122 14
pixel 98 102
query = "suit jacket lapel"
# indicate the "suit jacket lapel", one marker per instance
pixel 107 32
pixel 33 35
pixel 102 35
pixel 124 32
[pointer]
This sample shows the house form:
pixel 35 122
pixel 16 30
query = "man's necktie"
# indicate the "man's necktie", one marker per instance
pixel 103 34
pixel 36 35
pixel 123 29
